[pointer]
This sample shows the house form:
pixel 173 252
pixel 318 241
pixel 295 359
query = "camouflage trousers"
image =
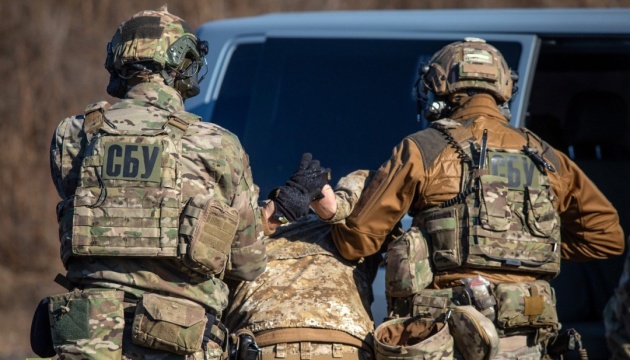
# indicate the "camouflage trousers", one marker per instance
pixel 617 323
pixel 314 351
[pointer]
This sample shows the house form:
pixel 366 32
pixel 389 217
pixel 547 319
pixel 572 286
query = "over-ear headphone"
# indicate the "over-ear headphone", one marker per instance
pixel 428 105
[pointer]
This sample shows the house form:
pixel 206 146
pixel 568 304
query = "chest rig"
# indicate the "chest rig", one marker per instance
pixel 504 217
pixel 129 201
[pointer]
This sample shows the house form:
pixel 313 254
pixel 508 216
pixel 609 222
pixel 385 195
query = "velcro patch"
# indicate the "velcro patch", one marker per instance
pixel 534 305
pixel 131 161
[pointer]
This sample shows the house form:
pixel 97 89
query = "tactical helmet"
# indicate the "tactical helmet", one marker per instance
pixel 159 42
pixel 471 64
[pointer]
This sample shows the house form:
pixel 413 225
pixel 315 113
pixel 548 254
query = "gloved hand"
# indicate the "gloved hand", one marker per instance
pixel 311 176
pixel 291 202
pixel 305 185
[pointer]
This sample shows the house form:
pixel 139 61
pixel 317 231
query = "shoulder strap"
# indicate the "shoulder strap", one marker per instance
pixel 94 117
pixel 543 148
pixel 178 124
pixel 431 144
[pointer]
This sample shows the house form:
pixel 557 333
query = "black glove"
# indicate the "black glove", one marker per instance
pixel 311 175
pixel 292 200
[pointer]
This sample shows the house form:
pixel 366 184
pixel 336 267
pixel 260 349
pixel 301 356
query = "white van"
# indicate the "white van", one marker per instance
pixel 339 85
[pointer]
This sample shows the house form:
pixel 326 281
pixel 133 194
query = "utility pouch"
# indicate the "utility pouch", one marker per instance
pixel 88 321
pixel 413 338
pixel 526 304
pixel 432 303
pixel 169 324
pixel 41 341
pixel 494 211
pixel 542 218
pixel 443 226
pixel 473 333
pixel 408 269
pixel 208 227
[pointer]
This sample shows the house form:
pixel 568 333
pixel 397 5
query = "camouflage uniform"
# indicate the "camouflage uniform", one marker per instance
pixel 616 316
pixel 212 163
pixel 509 234
pixel 309 301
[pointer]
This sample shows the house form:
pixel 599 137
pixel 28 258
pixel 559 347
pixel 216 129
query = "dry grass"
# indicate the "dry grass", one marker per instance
pixel 52 63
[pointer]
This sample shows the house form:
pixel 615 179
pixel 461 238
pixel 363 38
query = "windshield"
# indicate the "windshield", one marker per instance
pixel 347 101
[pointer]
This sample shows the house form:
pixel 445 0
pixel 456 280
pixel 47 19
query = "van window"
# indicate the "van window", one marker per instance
pixel 348 101
pixel 579 98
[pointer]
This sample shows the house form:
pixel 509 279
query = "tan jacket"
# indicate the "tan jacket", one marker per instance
pixel 590 224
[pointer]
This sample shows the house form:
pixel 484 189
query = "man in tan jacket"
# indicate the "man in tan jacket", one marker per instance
pixel 493 201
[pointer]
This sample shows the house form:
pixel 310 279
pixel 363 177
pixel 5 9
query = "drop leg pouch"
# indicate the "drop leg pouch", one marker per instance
pixel 87 324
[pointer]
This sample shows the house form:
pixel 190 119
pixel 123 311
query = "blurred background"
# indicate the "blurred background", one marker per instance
pixel 52 62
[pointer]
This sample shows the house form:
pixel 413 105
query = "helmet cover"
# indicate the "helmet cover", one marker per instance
pixel 469 64
pixel 152 36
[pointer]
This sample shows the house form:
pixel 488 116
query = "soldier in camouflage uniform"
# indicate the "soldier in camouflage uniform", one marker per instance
pixel 616 316
pixel 310 302
pixel 157 208
pixel 488 203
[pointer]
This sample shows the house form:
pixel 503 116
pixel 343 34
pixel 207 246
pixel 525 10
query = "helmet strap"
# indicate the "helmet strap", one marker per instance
pixel 168 79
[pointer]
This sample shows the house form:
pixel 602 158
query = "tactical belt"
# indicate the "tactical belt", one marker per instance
pixel 306 350
pixel 292 335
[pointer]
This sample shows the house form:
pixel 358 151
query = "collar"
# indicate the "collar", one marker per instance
pixel 158 95
pixel 480 104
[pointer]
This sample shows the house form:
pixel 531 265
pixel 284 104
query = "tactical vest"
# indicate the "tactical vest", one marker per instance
pixel 504 218
pixel 129 203
pixel 305 270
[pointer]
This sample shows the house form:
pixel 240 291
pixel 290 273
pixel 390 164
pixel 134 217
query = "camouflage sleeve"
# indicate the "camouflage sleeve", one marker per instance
pixel 66 155
pixel 347 193
pixel 248 258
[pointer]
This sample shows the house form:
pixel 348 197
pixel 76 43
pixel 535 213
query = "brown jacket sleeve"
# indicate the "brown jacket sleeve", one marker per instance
pixel 384 201
pixel 590 224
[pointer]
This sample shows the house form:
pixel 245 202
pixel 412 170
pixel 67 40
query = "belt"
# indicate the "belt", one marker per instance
pixel 306 350
pixel 296 335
